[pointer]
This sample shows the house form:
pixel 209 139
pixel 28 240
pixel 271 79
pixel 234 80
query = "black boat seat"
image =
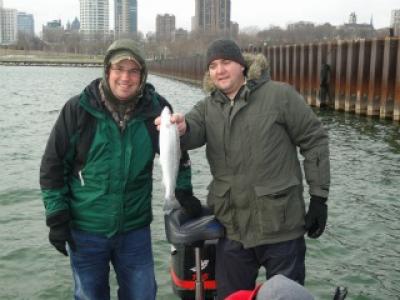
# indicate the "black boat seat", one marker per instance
pixel 181 229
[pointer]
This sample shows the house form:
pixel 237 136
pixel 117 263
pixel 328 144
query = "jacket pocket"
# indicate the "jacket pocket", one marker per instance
pixel 88 187
pixel 272 206
pixel 219 200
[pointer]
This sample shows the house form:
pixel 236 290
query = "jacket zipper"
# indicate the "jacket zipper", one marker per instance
pixel 123 172
pixel 81 178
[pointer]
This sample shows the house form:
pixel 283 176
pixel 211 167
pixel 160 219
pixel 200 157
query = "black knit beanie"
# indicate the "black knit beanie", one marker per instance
pixel 224 49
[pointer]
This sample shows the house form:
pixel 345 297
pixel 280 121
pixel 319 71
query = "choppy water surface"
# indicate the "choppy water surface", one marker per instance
pixel 360 249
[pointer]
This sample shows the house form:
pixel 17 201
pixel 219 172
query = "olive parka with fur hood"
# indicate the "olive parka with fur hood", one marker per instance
pixel 251 145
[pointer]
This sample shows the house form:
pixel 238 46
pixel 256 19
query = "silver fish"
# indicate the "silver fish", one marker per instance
pixel 170 155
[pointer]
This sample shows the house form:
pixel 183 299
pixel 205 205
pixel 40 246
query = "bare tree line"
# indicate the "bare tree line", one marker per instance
pixel 299 33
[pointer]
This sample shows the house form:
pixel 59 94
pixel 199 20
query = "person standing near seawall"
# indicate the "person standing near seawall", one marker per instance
pixel 252 127
pixel 96 179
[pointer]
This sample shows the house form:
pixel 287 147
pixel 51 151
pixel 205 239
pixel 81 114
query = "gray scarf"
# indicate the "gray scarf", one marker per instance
pixel 121 111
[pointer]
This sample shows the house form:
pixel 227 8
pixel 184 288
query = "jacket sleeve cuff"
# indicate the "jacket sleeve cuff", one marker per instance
pixel 58 218
pixel 319 191
pixel 318 199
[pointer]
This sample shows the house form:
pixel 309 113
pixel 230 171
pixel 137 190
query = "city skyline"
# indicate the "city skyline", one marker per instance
pixel 335 12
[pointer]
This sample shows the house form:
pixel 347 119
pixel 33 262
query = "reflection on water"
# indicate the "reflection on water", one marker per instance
pixel 360 248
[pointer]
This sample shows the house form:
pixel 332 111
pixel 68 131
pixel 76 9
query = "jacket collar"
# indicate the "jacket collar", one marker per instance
pixel 90 99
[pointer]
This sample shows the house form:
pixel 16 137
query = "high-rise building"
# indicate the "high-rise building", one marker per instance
pixel 395 21
pixel 223 15
pixel 212 16
pixel 125 17
pixel 8 26
pixel 1 22
pixel 165 27
pixel 94 17
pixel 25 23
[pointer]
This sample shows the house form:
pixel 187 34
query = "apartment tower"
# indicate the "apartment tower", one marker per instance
pixel 165 27
pixel 8 26
pixel 25 23
pixel 94 15
pixel 125 17
pixel 212 16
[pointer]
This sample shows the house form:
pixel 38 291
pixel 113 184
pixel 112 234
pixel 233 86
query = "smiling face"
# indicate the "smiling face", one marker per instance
pixel 124 79
pixel 227 76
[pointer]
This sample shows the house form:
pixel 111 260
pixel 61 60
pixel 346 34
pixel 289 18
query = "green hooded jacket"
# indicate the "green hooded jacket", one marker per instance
pixel 100 175
pixel 251 146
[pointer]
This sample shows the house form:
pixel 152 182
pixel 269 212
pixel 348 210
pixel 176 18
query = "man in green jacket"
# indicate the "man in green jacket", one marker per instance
pixel 252 127
pixel 96 179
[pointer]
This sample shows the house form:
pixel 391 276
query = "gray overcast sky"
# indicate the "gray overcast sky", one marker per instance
pixel 248 13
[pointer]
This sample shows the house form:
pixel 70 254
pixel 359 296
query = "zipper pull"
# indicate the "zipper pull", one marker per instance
pixel 81 178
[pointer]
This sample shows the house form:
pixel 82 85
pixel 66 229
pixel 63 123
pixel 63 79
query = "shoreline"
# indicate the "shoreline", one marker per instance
pixel 51 63
pixel 38 58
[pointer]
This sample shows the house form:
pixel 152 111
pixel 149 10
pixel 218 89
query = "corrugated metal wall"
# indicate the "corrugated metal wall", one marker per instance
pixel 363 75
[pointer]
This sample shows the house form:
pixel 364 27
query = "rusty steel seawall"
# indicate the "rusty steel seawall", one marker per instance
pixel 364 76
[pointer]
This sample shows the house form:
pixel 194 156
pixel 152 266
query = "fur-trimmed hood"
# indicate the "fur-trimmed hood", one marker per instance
pixel 257 72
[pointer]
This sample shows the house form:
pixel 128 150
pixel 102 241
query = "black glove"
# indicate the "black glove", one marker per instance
pixel 316 217
pixel 190 204
pixel 60 232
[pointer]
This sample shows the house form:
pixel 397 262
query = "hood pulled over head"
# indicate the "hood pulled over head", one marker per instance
pixel 118 51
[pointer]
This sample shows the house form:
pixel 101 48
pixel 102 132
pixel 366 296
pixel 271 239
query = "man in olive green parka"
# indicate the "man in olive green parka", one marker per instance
pixel 252 128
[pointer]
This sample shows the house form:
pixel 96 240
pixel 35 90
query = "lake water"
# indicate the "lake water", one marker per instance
pixel 360 248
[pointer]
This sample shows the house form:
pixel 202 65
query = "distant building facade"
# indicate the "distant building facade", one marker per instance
pixel 301 25
pixel 234 30
pixel 223 15
pixel 53 32
pixel 165 27
pixel 212 16
pixel 395 21
pixel 126 17
pixel 1 26
pixel 54 24
pixel 353 18
pixel 74 26
pixel 25 24
pixel 354 30
pixel 8 26
pixel 94 17
pixel 180 34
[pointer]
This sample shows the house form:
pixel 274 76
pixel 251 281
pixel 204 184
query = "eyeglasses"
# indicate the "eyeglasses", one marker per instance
pixel 131 72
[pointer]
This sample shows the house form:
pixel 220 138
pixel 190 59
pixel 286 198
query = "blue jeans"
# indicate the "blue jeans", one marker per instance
pixel 131 256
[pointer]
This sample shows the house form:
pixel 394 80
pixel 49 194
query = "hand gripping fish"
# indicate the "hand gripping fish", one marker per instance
pixel 170 155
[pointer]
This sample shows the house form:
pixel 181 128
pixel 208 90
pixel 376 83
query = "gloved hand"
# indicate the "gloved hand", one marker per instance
pixel 316 217
pixel 190 204
pixel 60 232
